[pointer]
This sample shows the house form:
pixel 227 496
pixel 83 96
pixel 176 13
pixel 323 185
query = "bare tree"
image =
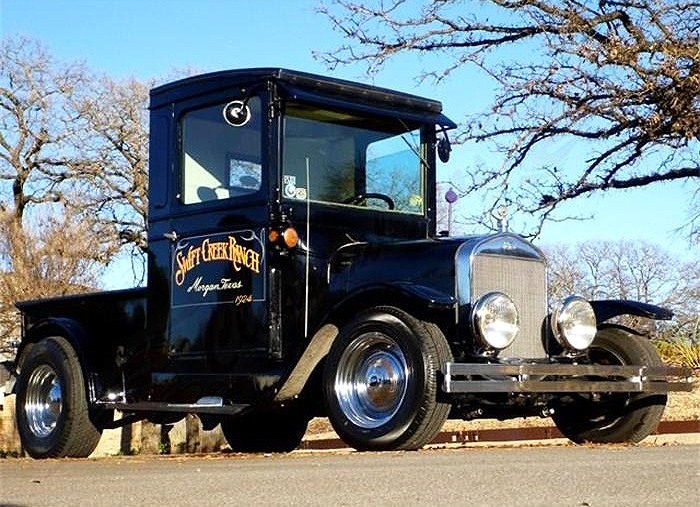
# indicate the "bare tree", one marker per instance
pixel 620 78
pixel 64 130
pixel 116 140
pixel 52 254
pixel 37 126
pixel 113 177
pixel 636 270
pixel 73 174
pixel 38 129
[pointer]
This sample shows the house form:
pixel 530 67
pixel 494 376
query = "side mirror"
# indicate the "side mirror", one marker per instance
pixel 444 148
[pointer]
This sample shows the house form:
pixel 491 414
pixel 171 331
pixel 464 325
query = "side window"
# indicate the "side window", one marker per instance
pixel 221 154
pixel 394 169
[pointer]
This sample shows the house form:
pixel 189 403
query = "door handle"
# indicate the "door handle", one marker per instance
pixel 172 236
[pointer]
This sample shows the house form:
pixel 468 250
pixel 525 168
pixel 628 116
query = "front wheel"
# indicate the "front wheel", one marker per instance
pixel 614 417
pixel 381 381
pixel 52 410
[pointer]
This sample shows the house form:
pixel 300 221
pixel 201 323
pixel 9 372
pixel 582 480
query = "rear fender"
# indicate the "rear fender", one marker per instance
pixel 71 331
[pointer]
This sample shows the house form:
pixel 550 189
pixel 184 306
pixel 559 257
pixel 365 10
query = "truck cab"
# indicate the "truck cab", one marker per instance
pixel 294 270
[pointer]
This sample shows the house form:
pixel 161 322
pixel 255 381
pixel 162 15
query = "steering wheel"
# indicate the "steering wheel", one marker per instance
pixel 357 199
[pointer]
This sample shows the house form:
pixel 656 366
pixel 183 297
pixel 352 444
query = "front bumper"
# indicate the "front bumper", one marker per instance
pixel 563 378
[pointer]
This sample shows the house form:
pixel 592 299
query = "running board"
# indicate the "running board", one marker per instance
pixel 206 405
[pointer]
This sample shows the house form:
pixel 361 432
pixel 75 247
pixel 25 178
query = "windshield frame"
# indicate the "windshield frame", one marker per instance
pixel 420 152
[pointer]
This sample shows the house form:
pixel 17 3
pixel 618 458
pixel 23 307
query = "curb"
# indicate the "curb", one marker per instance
pixel 536 433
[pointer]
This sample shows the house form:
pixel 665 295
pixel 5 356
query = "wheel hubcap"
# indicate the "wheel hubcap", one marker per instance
pixel 44 401
pixel 370 382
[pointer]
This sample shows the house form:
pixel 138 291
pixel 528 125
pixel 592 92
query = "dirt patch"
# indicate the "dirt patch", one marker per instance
pixel 683 406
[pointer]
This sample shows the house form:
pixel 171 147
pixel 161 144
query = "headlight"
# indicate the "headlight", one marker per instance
pixel 495 320
pixel 574 324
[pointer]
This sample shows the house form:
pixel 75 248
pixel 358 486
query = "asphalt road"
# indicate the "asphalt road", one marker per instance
pixel 552 476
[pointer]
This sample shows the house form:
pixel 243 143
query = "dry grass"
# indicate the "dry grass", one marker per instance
pixel 679 353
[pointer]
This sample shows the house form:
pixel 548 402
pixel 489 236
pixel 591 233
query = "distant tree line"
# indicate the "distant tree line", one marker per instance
pixel 633 270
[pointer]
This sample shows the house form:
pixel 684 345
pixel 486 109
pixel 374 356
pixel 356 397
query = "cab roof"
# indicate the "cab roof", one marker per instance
pixel 303 86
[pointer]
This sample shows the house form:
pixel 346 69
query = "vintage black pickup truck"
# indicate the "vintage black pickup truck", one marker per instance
pixel 295 270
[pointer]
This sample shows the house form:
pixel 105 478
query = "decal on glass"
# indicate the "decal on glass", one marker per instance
pixel 289 186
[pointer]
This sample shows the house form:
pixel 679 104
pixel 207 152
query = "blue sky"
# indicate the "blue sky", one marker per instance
pixel 151 38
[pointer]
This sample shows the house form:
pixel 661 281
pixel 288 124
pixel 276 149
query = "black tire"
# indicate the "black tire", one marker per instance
pixel 276 431
pixel 53 416
pixel 381 381
pixel 614 417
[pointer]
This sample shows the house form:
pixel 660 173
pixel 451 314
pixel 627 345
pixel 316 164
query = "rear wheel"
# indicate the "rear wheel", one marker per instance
pixel 614 417
pixel 276 431
pixel 52 410
pixel 381 381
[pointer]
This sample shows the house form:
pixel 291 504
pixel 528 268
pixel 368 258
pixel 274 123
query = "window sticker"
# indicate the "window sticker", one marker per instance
pixel 289 184
pixel 244 174
pixel 237 113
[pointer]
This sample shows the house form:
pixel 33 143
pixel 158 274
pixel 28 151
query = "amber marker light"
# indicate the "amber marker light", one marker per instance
pixel 290 236
pixel 287 237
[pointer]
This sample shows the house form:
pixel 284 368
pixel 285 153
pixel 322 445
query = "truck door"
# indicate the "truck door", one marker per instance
pixel 219 289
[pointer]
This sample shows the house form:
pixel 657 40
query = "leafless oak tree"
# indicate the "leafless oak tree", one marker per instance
pixel 620 78
pixel 64 129
pixel 628 270
pixel 73 173
pixel 37 126
pixel 115 142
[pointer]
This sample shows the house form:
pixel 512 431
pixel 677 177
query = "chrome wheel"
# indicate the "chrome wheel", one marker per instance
pixel 380 381
pixel 371 380
pixel 53 411
pixel 44 401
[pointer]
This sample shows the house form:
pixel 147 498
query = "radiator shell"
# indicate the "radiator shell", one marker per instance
pixel 509 264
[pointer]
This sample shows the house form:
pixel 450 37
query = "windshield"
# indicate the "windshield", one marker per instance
pixel 344 158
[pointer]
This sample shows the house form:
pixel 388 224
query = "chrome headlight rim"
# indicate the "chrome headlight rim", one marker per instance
pixel 482 320
pixel 574 325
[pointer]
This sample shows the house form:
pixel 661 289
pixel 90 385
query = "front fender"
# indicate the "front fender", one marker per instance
pixel 431 297
pixel 606 309
pixel 414 298
pixel 419 300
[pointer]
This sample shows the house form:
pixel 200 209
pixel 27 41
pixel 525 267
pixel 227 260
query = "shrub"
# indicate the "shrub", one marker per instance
pixel 679 353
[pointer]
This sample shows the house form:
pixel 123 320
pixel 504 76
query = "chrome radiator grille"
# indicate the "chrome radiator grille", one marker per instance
pixel 524 281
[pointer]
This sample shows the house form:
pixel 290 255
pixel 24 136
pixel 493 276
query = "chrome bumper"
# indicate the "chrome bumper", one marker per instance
pixel 563 378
